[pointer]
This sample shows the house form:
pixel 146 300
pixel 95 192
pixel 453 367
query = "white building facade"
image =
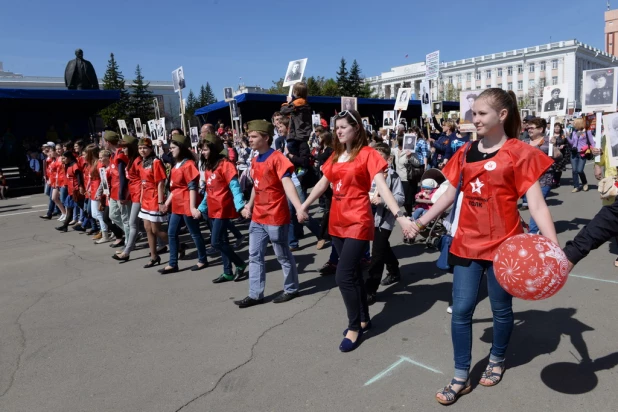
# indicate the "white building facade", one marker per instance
pixel 525 71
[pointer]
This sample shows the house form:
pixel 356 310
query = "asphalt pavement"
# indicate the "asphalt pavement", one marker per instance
pixel 82 332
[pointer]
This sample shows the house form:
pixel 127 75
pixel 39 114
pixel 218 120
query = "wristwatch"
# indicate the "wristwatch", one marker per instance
pixel 400 214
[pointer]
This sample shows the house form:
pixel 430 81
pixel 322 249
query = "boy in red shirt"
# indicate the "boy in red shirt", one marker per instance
pixel 270 215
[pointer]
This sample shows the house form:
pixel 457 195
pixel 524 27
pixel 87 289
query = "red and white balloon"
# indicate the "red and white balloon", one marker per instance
pixel 531 267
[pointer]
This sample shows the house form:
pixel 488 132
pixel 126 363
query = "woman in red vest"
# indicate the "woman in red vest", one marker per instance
pixel 152 212
pixel 75 183
pixel 351 170
pixel 223 201
pixel 495 172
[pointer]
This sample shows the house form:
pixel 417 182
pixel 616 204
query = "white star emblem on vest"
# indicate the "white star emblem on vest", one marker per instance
pixel 256 183
pixel 339 186
pixel 476 186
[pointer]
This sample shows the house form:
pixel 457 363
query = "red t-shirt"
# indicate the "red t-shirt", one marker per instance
pixel 61 178
pixel 151 176
pixel 48 172
pixel 182 174
pixel 491 188
pixel 350 211
pixel 73 183
pixel 135 180
pixel 220 199
pixel 270 205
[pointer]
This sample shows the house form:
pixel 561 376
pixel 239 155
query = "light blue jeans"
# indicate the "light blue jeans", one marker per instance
pixel 258 240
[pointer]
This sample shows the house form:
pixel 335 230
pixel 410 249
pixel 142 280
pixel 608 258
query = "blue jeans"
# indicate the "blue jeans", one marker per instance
pixel 258 240
pixel 218 240
pixel 194 228
pixel 418 212
pixel 466 285
pixel 64 193
pixel 578 164
pixel 534 229
pixel 296 229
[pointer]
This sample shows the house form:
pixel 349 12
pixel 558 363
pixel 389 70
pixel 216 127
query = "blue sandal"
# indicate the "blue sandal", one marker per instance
pixel 452 396
pixel 490 375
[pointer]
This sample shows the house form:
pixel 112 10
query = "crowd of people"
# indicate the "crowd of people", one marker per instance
pixel 124 189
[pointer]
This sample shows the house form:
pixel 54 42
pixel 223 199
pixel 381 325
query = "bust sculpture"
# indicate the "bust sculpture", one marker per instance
pixel 80 74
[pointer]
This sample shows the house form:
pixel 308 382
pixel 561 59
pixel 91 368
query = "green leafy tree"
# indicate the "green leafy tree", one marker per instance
pixel 114 80
pixel 367 91
pixel 141 97
pixel 210 96
pixel 355 80
pixel 330 88
pixel 277 88
pixel 343 79
pixel 451 93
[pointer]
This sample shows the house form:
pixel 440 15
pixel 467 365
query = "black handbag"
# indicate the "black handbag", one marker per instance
pixel 447 239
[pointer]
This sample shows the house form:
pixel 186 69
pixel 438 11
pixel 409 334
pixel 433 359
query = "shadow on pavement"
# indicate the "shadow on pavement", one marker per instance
pixel 566 225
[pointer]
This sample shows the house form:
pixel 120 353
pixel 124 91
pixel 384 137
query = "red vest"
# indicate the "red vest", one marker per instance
pixel 220 199
pixel 179 181
pixel 151 176
pixel 270 204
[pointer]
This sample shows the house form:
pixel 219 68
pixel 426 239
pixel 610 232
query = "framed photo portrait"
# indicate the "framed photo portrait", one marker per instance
pixel 295 72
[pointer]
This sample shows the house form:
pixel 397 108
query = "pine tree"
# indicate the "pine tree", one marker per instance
pixel 343 79
pixel 114 80
pixel 330 88
pixel 141 97
pixel 192 105
pixel 314 86
pixel 355 80
pixel 210 96
pixel 202 97
pixel 366 91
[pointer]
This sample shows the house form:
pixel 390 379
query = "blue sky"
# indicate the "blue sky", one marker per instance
pixel 221 40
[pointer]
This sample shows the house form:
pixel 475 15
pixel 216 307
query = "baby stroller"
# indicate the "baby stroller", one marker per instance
pixel 431 235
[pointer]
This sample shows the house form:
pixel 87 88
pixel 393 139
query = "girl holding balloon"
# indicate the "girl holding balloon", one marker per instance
pixel 494 172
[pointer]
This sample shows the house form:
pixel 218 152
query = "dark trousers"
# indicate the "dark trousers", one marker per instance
pixel 601 228
pixel 349 278
pixel 381 254
pixel 111 226
pixel 408 197
pixel 328 198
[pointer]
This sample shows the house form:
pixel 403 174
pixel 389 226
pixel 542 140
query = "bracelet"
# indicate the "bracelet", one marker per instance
pixel 161 203
pixel 419 224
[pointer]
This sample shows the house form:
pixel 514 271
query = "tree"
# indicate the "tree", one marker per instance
pixel 114 80
pixel 314 86
pixel 330 88
pixel 451 93
pixel 210 96
pixel 343 80
pixel 354 80
pixel 367 91
pixel 141 98
pixel 192 105
pixel 202 99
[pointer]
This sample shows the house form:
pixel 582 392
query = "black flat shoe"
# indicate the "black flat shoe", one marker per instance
pixel 121 259
pixel 348 346
pixel 390 279
pixel 248 302
pixel 46 217
pixel 198 267
pixel 153 262
pixel 79 228
pixel 285 297
pixel 62 229
pixel 165 271
pixel 240 273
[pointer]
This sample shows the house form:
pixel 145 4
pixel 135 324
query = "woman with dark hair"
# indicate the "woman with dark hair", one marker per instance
pixel 351 169
pixel 103 196
pixel 581 140
pixel 61 184
pixel 325 151
pixel 223 202
pixel 75 184
pixel 93 179
pixel 494 172
pixel 182 203
pixel 129 148
pixel 561 144
pixel 152 211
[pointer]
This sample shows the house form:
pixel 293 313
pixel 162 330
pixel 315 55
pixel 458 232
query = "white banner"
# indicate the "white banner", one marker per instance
pixel 432 65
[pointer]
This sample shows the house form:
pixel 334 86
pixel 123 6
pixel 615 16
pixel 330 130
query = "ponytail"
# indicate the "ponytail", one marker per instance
pixel 500 99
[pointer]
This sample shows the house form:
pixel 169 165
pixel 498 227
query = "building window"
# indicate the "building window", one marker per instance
pixel 468 77
pixel 450 79
pixel 542 66
pixel 542 82
pixel 554 64
pixel 478 75
pixel 520 68
pixel 459 78
pixel 509 71
pixel 520 85
pixel 488 74
pixel 530 84
pixel 531 67
pixel 509 86
pixel 500 72
pixel 554 80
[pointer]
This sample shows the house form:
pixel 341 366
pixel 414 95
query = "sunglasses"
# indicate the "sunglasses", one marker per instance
pixel 346 113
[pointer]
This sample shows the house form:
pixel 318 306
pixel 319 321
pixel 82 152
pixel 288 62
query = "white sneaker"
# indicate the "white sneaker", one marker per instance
pixel 449 309
pixel 62 218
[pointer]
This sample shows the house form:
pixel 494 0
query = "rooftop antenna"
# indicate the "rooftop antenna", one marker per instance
pixel 607 5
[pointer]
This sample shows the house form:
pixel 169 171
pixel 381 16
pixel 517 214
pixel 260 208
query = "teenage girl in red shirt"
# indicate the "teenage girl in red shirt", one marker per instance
pixel 496 171
pixel 351 170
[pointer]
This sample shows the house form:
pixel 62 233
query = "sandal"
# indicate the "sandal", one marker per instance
pixel 452 396
pixel 490 375
pixel 616 262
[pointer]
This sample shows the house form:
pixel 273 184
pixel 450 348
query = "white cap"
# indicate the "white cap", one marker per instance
pixel 429 184
pixel 50 144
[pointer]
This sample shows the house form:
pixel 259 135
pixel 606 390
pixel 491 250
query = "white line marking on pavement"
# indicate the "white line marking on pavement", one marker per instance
pixel 401 360
pixel 38 206
pixel 23 197
pixel 591 278
pixel 21 213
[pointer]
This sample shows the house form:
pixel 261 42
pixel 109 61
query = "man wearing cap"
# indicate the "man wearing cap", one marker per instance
pixel 268 209
pixel 602 93
pixel 524 137
pixel 119 205
pixel 556 103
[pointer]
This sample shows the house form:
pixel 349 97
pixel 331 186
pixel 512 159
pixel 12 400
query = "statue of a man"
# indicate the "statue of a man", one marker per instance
pixel 80 74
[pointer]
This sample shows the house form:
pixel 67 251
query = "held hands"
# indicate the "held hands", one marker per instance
pixel 246 212
pixel 195 213
pixel 376 200
pixel 302 215
pixel 163 208
pixel 409 228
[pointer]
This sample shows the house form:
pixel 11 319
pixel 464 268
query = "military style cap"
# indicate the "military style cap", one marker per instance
pixel 261 126
pixel 598 75
pixel 128 140
pixel 556 90
pixel 145 141
pixel 111 136
pixel 181 140
pixel 215 141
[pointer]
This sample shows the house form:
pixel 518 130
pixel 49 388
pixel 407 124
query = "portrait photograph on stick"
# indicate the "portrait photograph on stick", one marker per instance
pixel 610 122
pixel 295 72
pixel 161 133
pixel 388 121
pixel 194 136
pixel 228 94
pixel 234 109
pixel 138 127
pixel 554 100
pixel 315 120
pixel 403 98
pixel 425 98
pixel 178 78
pixel 466 101
pixel 122 125
pixel 599 90
pixel 152 128
pixel 409 142
pixel 348 103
